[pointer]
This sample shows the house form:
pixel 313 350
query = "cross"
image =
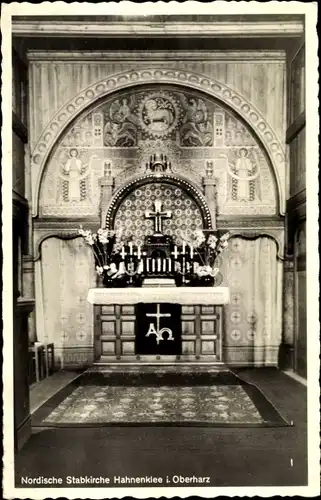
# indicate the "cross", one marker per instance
pixel 158 315
pixel 157 215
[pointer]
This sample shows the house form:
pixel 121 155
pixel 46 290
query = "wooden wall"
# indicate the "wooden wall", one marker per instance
pixel 295 294
pixel 22 306
pixel 57 77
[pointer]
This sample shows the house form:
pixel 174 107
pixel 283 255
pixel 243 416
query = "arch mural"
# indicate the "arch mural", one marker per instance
pixel 197 133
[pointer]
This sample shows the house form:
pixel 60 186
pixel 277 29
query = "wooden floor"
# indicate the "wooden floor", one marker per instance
pixel 229 457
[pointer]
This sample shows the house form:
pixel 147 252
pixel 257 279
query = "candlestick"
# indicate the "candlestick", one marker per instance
pixel 175 252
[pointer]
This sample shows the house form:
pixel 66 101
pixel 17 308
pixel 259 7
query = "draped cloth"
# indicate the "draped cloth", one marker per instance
pixel 253 319
pixel 64 274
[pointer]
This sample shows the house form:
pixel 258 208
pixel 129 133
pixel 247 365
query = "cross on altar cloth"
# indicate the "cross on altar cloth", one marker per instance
pixel 158 215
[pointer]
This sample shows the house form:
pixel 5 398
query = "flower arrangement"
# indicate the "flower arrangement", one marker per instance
pixel 207 249
pixel 106 246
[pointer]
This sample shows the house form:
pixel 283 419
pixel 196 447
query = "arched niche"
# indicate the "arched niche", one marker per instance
pixel 185 202
pixel 191 145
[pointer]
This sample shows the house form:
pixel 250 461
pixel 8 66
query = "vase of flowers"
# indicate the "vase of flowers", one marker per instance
pixel 106 246
pixel 207 248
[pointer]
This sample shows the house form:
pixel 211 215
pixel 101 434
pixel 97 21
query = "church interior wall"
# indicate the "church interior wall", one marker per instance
pixel 112 136
pixel 55 78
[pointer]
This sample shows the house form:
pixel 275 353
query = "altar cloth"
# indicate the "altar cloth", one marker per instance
pixel 179 295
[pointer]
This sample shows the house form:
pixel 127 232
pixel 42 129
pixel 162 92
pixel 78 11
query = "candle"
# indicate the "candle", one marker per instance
pixel 175 252
pixel 153 265
pixel 159 265
pixel 130 248
pixel 147 264
pixel 169 265
pixel 138 251
pixel 123 252
pixel 164 265
pixel 183 247
pixel 191 251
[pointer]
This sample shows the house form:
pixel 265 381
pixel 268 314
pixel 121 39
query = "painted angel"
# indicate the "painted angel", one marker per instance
pixel 243 174
pixel 74 178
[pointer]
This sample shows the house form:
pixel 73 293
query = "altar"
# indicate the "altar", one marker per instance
pixel 158 295
pixel 143 325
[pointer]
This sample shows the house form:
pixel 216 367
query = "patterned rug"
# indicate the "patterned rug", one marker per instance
pixel 167 398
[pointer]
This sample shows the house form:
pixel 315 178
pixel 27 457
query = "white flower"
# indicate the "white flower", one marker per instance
pixel 197 238
pixel 99 270
pixel 90 239
pixel 215 271
pixel 204 271
pixel 225 237
pixel 212 241
pixel 102 236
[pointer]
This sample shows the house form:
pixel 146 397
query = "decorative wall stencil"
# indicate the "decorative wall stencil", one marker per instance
pixel 253 317
pixel 190 128
pixel 131 214
pixel 63 276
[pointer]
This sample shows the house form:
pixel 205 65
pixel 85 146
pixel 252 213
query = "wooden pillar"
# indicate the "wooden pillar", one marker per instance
pixel 287 349
pixel 106 185
pixel 209 183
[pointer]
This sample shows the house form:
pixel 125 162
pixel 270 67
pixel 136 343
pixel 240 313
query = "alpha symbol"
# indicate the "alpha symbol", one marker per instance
pixel 159 332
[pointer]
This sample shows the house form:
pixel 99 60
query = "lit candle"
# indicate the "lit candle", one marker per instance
pixel 191 251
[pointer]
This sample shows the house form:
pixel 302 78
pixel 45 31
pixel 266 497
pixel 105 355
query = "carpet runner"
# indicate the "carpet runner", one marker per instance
pixel 200 395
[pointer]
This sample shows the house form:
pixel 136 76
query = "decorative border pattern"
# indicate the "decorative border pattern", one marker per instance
pixel 124 190
pixel 127 79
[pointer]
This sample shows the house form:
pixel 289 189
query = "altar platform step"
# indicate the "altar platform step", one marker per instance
pixel 177 367
pixel 145 360
pixel 158 374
